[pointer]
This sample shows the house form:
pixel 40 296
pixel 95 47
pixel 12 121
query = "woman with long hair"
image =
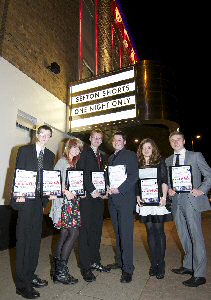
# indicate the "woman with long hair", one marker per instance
pixel 65 213
pixel 155 214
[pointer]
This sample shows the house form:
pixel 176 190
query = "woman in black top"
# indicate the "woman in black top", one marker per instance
pixel 154 214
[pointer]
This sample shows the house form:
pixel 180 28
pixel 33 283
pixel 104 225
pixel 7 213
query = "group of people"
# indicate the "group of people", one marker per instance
pixel 82 217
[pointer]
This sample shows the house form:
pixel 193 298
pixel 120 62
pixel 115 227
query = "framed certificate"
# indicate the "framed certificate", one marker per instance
pixel 75 182
pixel 148 172
pixel 181 178
pixel 24 184
pixel 117 175
pixel 98 179
pixel 52 183
pixel 149 191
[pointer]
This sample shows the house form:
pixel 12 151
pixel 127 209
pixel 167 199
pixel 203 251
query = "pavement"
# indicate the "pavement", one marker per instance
pixel 107 285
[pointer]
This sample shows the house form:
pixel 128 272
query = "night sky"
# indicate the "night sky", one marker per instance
pixel 178 37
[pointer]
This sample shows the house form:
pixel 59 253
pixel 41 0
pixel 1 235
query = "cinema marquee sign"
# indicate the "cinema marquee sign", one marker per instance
pixel 109 98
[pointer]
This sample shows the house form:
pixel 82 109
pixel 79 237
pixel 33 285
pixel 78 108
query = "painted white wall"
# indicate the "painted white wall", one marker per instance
pixel 19 92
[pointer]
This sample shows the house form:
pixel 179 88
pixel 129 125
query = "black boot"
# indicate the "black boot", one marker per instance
pixel 61 274
pixel 53 265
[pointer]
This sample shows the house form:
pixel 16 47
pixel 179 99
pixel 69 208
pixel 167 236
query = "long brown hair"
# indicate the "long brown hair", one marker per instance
pixel 72 142
pixel 154 158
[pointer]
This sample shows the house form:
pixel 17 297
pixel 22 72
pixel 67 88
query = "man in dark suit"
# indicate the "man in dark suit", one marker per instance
pixel 187 209
pixel 92 209
pixel 122 201
pixel 33 157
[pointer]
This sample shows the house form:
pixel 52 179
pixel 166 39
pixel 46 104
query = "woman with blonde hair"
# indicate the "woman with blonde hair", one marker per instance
pixel 65 214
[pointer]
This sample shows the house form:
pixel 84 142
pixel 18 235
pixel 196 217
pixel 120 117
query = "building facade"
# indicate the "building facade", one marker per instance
pixel 44 47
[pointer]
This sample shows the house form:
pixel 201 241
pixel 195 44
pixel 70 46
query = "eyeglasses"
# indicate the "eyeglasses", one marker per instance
pixel 44 135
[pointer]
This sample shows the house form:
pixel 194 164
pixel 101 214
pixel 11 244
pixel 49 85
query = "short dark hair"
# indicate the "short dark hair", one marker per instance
pixel 119 132
pixel 45 127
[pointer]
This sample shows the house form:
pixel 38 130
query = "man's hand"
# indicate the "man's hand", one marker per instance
pixel 20 199
pixel 139 201
pixel 196 192
pixel 114 191
pixel 95 194
pixel 52 197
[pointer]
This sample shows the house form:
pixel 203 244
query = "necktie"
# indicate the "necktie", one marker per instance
pixel 98 158
pixel 113 159
pixel 177 160
pixel 40 167
pixel 40 160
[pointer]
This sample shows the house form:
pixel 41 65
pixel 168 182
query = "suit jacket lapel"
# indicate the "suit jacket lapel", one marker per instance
pixel 187 156
pixel 34 157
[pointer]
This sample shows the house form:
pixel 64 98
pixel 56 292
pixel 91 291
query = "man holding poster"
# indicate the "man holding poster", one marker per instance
pixel 123 175
pixel 188 204
pixel 33 157
pixel 92 209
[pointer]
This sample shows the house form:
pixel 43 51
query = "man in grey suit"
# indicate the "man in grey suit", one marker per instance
pixel 187 209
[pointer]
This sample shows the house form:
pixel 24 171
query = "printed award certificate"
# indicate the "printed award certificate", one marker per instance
pixel 75 182
pixel 52 183
pixel 117 175
pixel 181 178
pixel 149 191
pixel 148 173
pixel 24 184
pixel 98 179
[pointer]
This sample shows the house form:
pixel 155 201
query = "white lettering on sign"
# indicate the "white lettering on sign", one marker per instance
pixel 125 88
pixel 121 115
pixel 102 81
pixel 103 106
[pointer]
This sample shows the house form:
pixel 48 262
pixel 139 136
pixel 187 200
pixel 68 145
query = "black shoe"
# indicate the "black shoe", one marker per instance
pixel 28 293
pixel 72 280
pixel 126 277
pixel 160 275
pixel 194 281
pixel 114 266
pixel 152 271
pixel 160 270
pixel 38 282
pixel 88 276
pixel 100 268
pixel 182 271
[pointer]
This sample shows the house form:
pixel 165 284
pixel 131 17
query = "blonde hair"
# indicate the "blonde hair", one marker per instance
pixel 72 142
pixel 96 130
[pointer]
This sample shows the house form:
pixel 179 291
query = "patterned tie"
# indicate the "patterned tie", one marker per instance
pixel 40 167
pixel 177 160
pixel 98 158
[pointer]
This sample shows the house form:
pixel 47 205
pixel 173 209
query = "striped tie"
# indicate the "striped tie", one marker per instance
pixel 40 167
pixel 98 158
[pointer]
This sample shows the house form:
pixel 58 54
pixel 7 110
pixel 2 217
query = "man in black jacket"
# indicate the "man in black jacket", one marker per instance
pixel 92 209
pixel 33 157
pixel 121 203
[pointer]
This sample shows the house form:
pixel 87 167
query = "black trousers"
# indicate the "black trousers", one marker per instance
pixel 122 216
pixel 28 235
pixel 90 231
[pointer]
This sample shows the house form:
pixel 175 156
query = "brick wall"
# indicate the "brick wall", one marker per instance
pixel 37 33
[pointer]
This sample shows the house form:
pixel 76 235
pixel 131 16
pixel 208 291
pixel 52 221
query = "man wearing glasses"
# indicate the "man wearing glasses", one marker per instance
pixel 33 157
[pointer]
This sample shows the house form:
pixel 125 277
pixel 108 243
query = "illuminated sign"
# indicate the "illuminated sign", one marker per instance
pixel 119 22
pixel 106 99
